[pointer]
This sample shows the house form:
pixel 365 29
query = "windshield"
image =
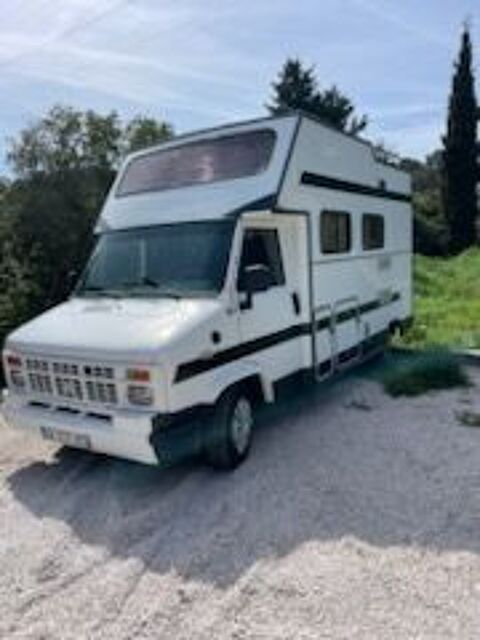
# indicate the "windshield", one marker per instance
pixel 177 260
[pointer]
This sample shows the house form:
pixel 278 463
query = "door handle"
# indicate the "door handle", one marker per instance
pixel 245 301
pixel 297 307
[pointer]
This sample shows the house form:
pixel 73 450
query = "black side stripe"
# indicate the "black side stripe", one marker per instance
pixel 326 182
pixel 195 367
pixel 349 314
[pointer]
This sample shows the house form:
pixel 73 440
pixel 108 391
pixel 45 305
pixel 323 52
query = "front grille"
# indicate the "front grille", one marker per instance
pixel 69 388
pixel 72 381
pixel 40 382
pixel 101 392
pixel 65 368
pixel 33 364
pixel 99 372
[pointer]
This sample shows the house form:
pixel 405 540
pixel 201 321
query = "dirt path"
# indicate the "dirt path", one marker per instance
pixel 357 516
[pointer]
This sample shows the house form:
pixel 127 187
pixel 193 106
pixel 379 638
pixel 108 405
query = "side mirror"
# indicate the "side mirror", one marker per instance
pixel 255 279
pixel 71 279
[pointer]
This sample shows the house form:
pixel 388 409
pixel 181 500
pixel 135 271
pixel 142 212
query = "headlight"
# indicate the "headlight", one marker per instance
pixel 17 379
pixel 141 395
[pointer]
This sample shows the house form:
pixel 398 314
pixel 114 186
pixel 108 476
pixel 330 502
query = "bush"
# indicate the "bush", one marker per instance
pixel 427 371
pixel 430 236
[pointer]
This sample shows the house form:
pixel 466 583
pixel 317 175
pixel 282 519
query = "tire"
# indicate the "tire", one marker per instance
pixel 230 436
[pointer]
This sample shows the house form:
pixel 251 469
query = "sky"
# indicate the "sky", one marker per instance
pixel 202 63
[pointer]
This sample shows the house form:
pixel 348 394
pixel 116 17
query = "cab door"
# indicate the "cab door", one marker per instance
pixel 268 314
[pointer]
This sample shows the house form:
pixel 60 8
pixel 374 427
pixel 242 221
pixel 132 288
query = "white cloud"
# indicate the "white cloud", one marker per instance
pixel 199 62
pixel 105 63
pixel 388 12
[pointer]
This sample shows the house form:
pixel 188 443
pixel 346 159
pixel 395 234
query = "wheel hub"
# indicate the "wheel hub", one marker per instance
pixel 242 421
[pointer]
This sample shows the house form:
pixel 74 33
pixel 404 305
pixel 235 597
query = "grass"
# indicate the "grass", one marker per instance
pixel 447 302
pixel 425 371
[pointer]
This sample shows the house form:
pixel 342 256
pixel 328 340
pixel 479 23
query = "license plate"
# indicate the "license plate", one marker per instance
pixel 66 437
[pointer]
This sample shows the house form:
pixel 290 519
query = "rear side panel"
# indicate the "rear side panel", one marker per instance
pixel 358 294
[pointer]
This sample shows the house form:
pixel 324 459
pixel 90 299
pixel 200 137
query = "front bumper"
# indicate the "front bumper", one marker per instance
pixel 142 436
pixel 123 433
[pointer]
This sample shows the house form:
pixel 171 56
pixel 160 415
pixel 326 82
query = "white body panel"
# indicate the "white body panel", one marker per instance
pixel 363 276
pixel 323 313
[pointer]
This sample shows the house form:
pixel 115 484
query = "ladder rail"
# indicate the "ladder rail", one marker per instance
pixel 320 309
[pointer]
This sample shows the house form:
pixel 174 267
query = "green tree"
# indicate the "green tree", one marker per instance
pixel 460 153
pixel 144 132
pixel 426 185
pixel 297 88
pixel 64 165
pixel 17 288
pixel 430 229
pixel 67 139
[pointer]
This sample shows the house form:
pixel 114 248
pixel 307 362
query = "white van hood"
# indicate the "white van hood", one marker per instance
pixel 118 330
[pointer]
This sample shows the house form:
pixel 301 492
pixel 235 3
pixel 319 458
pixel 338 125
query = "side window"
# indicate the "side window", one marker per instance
pixel 373 231
pixel 262 247
pixel 335 232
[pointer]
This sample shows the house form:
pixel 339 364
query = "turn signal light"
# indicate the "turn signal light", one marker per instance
pixel 138 375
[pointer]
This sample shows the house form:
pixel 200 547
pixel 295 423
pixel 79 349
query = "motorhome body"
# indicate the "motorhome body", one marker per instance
pixel 227 262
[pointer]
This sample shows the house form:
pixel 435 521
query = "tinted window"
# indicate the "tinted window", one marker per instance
pixel 335 232
pixel 225 158
pixel 262 247
pixel 182 259
pixel 373 231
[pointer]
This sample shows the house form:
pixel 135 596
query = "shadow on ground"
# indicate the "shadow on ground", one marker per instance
pixel 340 461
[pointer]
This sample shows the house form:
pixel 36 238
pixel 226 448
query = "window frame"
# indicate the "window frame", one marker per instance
pixel 279 271
pixel 338 215
pixel 368 246
pixel 214 292
pixel 122 192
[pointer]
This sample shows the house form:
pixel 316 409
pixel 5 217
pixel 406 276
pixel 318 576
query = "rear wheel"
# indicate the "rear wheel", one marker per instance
pixel 230 436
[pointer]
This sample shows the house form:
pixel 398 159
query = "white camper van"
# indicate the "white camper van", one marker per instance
pixel 227 262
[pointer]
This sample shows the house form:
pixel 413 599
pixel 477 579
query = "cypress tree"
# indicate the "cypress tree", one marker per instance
pixel 460 170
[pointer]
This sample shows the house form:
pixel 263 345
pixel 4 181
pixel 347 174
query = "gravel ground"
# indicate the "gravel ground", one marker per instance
pixel 357 516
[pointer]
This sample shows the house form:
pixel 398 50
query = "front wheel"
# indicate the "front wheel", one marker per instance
pixel 230 437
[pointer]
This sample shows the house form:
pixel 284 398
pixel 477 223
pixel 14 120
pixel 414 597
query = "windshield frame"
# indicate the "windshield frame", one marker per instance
pixel 148 291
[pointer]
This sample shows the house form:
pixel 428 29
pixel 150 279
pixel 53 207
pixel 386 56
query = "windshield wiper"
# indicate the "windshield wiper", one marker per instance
pixel 99 291
pixel 150 282
pixel 147 281
pixel 169 293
